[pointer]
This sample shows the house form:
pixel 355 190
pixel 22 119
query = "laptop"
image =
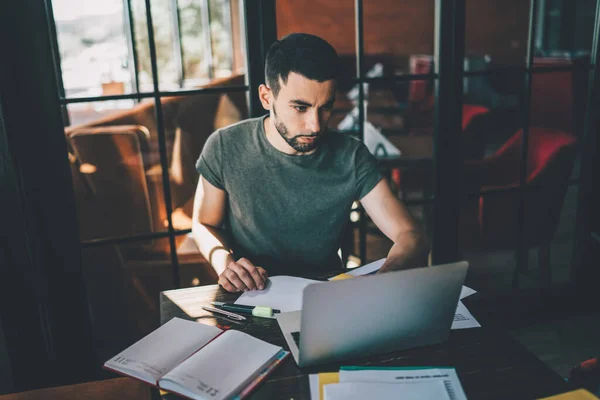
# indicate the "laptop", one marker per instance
pixel 373 314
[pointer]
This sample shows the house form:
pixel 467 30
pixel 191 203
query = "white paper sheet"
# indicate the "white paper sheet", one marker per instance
pixel 448 376
pixel 313 382
pixel 377 143
pixel 466 292
pixel 433 390
pixel 463 319
pixel 216 372
pixel 283 293
pixel 159 352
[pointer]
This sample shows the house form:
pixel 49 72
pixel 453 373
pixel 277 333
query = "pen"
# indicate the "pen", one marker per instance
pixel 256 311
pixel 226 313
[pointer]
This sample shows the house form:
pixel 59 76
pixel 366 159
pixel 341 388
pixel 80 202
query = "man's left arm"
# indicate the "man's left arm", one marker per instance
pixel 411 247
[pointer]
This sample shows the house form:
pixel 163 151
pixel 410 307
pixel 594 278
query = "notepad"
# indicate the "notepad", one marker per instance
pixel 385 391
pixel 376 382
pixel 407 375
pixel 198 361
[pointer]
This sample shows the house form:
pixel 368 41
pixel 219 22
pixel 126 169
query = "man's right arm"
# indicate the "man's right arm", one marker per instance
pixel 213 243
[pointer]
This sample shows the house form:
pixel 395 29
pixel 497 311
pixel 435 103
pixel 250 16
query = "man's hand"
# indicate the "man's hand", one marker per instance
pixel 242 275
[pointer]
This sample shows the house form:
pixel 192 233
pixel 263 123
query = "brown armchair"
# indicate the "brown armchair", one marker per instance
pixel 112 196
pixel 188 121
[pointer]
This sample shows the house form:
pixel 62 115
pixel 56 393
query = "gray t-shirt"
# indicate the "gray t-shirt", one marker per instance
pixel 287 213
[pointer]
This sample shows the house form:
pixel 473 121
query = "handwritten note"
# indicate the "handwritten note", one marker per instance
pixel 463 319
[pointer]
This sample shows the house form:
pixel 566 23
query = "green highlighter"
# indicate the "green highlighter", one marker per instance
pixel 255 311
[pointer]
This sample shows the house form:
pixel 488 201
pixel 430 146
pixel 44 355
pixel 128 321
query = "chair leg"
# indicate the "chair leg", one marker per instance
pixel 521 255
pixel 544 264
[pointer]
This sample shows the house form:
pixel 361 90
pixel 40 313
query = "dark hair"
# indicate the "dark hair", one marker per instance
pixel 304 54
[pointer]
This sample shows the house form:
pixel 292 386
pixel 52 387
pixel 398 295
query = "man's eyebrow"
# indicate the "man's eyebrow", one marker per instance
pixel 301 102
pixel 307 104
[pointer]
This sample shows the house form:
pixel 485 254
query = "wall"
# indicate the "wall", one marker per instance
pixel 402 27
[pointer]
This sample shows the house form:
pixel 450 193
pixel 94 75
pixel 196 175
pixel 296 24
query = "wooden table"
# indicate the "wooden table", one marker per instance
pixel 490 364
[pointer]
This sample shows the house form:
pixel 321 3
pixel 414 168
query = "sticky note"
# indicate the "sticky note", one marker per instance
pixel 326 378
pixel 580 394
pixel 342 276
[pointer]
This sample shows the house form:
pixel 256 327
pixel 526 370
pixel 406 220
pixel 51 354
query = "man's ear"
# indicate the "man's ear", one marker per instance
pixel 266 96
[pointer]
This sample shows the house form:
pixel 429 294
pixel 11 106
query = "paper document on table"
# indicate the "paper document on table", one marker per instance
pixel 579 394
pixel 318 381
pixel 282 292
pixel 407 375
pixel 365 269
pixel 466 292
pixel 433 390
pixel 463 319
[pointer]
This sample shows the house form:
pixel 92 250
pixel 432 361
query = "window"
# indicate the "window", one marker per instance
pixel 93 47
pixel 132 149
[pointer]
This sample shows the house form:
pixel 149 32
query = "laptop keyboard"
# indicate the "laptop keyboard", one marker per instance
pixel 296 337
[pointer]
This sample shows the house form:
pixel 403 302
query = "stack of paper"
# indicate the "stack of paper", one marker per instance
pixel 386 383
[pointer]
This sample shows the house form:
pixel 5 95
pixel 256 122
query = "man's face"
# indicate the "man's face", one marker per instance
pixel 301 111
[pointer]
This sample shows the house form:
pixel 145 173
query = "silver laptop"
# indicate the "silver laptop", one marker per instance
pixel 373 314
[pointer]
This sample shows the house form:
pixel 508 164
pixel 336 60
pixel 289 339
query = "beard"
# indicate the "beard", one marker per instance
pixel 292 140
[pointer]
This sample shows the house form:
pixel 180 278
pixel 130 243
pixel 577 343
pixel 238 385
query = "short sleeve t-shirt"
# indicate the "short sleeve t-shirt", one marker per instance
pixel 287 213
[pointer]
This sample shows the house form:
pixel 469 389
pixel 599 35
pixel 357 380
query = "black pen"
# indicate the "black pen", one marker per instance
pixel 256 311
pixel 224 312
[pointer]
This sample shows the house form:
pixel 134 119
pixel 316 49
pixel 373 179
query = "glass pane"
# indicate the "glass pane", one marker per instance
pixel 378 245
pixel 331 20
pixel 565 28
pixel 399 132
pixel 207 53
pixel 188 121
pixel 115 166
pixel 167 55
pixel 561 248
pixel 489 228
pixel 559 99
pixel 94 51
pixel 194 33
pixel 220 32
pixel 194 269
pixel 89 113
pixel 496 32
pixel 396 32
pixel 492 112
pixel 123 282
pixel 492 118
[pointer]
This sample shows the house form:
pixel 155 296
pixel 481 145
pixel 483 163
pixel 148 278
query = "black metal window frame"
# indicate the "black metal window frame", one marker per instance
pixel 130 36
pixel 448 76
pixel 450 22
pixel 155 94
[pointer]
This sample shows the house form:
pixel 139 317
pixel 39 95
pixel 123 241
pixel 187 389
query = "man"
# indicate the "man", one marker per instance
pixel 275 192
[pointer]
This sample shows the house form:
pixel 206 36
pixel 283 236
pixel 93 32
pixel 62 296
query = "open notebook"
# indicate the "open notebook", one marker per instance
pixel 198 361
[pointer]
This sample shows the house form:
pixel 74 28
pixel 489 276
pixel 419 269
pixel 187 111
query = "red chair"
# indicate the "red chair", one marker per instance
pixel 492 221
